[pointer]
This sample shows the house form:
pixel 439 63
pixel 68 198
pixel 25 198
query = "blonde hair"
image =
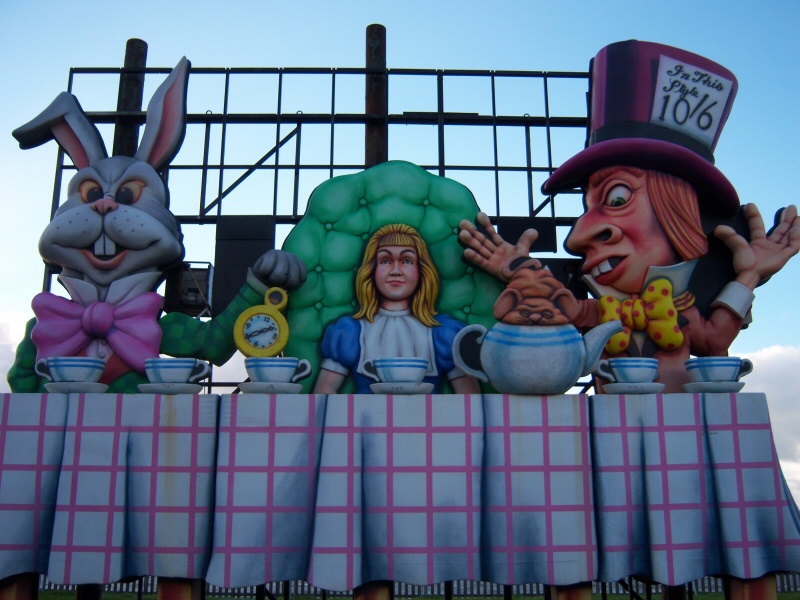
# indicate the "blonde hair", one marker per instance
pixel 424 297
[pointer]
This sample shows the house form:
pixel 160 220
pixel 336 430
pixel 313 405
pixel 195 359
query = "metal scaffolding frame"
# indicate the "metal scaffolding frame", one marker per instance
pixel 441 119
pixel 219 177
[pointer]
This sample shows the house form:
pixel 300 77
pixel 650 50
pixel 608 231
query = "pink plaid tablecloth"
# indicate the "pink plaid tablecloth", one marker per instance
pixel 31 445
pixel 339 490
pixel 690 485
pixel 136 488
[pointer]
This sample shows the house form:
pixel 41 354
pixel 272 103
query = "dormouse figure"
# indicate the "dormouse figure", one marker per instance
pixel 113 237
pixel 533 295
pixel 653 201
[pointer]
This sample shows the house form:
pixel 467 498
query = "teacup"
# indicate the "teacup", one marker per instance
pixel 277 369
pixel 397 370
pixel 628 369
pixel 718 368
pixel 84 369
pixel 176 370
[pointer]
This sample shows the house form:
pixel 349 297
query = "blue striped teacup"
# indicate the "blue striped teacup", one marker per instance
pixel 397 369
pixel 718 368
pixel 84 369
pixel 175 370
pixel 277 369
pixel 628 369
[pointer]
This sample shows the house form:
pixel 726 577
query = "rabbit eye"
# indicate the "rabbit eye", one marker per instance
pixel 130 192
pixel 90 191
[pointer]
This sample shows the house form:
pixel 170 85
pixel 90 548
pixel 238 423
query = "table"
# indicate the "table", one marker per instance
pixel 342 489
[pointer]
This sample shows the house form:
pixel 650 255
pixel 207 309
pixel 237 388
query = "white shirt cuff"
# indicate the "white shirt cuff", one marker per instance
pixel 736 297
pixel 331 365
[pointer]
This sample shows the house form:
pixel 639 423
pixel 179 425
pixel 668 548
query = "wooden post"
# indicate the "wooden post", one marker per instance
pixel 126 142
pixel 376 136
pixel 129 98
pixel 374 590
pixel 20 587
pixel 763 588
pixel 89 591
pixel 673 592
pixel 180 589
pixel 581 591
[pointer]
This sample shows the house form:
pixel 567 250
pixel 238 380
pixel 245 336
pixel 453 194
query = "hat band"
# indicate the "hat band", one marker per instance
pixel 631 129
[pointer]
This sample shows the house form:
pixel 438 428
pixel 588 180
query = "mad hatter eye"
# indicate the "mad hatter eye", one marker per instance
pixel 618 196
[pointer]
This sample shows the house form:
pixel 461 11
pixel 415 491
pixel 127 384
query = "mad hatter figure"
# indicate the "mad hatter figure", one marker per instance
pixel 649 179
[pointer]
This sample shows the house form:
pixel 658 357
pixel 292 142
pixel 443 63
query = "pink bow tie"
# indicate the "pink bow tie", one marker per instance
pixel 64 328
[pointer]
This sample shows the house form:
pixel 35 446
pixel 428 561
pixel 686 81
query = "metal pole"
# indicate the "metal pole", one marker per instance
pixel 129 98
pixel 376 137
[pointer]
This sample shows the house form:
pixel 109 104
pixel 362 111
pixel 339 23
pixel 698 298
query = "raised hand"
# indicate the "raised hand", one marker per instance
pixel 764 255
pixel 488 250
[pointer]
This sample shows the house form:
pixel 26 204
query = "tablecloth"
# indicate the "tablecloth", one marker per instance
pixel 342 489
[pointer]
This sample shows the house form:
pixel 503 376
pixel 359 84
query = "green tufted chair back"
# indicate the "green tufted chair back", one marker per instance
pixel 341 216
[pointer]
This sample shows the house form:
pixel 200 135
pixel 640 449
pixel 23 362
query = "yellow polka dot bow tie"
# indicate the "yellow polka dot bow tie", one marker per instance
pixel 654 312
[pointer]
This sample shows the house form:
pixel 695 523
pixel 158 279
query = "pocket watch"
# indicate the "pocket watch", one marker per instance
pixel 262 330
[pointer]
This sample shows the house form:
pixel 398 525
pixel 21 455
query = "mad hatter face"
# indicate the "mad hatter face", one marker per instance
pixel 619 234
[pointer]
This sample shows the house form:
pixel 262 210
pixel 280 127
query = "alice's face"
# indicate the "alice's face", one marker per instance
pixel 619 235
pixel 396 276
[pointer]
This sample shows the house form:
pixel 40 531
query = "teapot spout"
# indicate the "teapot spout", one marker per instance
pixel 594 341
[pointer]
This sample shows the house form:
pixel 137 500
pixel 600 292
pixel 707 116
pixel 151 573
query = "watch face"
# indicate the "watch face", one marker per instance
pixel 261 331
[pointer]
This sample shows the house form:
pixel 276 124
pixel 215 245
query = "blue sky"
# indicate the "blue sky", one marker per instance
pixel 40 40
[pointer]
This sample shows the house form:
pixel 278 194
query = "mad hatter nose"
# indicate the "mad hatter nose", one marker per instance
pixel 588 233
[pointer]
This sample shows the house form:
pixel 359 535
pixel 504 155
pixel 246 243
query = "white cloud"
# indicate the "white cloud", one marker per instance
pixel 12 330
pixel 775 373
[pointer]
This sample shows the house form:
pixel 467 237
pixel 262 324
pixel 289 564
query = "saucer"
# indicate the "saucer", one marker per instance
pixel 170 388
pixel 401 387
pixel 633 388
pixel 269 387
pixel 713 386
pixel 75 387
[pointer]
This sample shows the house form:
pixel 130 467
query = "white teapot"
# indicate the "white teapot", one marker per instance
pixel 530 360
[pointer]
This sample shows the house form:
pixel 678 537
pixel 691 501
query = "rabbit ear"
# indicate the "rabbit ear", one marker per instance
pixel 166 119
pixel 64 121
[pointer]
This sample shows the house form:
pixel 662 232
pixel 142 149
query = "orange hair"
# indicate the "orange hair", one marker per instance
pixel 675 203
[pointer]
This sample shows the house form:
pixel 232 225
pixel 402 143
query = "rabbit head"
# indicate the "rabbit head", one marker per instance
pixel 116 219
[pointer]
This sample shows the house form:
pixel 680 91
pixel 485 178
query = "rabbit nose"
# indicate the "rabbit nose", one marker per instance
pixel 105 205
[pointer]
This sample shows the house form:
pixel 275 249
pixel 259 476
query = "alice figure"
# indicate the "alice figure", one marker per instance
pixel 396 287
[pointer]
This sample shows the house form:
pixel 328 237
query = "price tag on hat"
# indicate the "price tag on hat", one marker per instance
pixel 689 99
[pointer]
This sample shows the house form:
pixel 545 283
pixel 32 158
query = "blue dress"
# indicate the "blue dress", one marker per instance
pixel 342 352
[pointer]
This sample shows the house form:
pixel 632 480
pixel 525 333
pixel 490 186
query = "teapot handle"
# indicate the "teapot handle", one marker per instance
pixel 467 351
